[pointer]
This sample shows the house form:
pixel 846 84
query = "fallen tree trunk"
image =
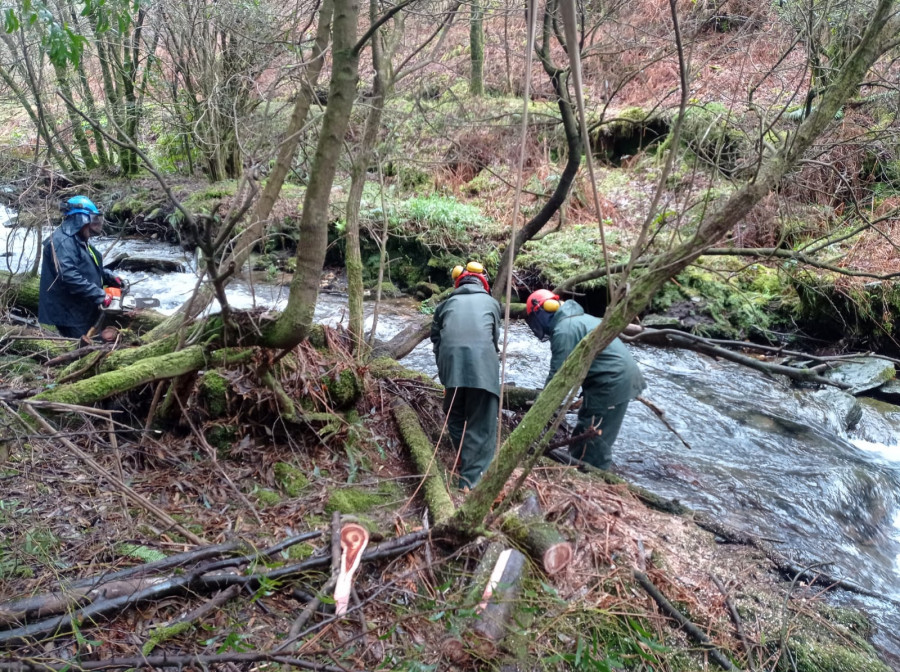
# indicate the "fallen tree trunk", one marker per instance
pixel 404 342
pixel 543 540
pixel 424 457
pixel 172 365
pixel 680 339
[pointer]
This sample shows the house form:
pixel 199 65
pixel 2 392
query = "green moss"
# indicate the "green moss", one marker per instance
pixel 290 479
pixel 805 654
pixel 267 497
pixel 163 634
pixel 212 389
pixel 221 437
pixel 344 388
pixel 560 255
pixel 355 500
pixel 300 551
pixel 204 200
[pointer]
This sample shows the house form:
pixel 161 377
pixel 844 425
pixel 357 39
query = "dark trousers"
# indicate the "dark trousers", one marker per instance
pixel 70 332
pixel 595 411
pixel 472 423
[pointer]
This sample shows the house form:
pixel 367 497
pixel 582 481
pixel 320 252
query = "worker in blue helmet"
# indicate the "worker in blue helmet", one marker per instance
pixel 72 273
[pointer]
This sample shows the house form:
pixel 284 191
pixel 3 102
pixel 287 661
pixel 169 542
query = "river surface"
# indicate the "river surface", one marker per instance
pixel 765 457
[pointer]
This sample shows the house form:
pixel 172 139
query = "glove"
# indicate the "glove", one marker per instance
pixel 106 301
pixel 117 282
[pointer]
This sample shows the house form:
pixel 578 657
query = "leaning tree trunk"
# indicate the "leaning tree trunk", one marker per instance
pixel 723 215
pixel 294 323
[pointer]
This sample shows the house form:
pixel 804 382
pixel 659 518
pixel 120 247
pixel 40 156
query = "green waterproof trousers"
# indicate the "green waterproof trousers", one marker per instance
pixel 472 422
pixel 597 451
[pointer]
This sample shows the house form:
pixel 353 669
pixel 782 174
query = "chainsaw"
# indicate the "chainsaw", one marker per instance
pixel 120 304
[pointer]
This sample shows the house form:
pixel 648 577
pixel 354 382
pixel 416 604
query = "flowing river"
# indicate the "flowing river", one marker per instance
pixel 765 457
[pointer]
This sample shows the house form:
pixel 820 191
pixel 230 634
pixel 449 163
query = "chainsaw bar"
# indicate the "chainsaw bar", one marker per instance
pixel 139 303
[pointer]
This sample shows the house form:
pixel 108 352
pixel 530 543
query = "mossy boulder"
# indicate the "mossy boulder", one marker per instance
pixel 862 315
pixel 290 480
pixel 726 298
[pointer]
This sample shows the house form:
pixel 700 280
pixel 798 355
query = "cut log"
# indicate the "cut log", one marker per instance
pixel 423 456
pixel 505 569
pixel 354 539
pixel 543 540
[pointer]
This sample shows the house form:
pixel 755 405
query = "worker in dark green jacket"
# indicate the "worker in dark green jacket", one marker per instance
pixel 613 380
pixel 466 333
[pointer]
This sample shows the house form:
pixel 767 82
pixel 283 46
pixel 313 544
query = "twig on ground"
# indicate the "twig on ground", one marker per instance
pixel 145 503
pixel 692 630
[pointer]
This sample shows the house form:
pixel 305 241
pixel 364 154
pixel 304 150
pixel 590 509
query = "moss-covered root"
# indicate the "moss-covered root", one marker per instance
pixel 423 455
pixel 172 365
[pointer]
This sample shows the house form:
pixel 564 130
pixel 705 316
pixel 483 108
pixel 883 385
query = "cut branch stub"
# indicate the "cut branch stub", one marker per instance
pixel 354 539
pixel 543 540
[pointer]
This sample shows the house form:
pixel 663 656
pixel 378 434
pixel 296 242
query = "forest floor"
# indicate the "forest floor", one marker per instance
pixel 229 470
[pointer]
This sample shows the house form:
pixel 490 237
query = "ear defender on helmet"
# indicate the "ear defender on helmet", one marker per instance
pixel 473 269
pixel 539 309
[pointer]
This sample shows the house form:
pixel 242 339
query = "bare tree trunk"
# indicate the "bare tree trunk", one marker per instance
pixel 380 87
pixel 476 46
pixel 294 323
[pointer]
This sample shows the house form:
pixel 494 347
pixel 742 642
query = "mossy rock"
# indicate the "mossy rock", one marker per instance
pixel 291 480
pixel 212 393
pixel 714 134
pixel 864 316
pixel 343 389
pixel 389 290
pixel 425 290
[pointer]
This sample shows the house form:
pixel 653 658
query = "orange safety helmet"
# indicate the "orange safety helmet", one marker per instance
pixel 472 269
pixel 540 307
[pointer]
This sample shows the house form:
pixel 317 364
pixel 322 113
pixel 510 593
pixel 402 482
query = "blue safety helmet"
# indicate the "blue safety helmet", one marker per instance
pixel 80 205
pixel 77 213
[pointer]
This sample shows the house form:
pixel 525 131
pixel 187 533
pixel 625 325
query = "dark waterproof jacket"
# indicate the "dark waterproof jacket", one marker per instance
pixel 72 280
pixel 613 374
pixel 466 333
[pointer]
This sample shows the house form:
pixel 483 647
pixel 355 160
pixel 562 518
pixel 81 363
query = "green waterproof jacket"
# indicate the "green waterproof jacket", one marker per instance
pixel 613 373
pixel 465 333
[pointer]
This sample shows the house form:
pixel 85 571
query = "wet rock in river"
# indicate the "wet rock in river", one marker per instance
pixel 863 373
pixel 846 410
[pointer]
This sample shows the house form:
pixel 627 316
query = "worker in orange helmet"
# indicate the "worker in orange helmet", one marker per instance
pixel 466 334
pixel 613 380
